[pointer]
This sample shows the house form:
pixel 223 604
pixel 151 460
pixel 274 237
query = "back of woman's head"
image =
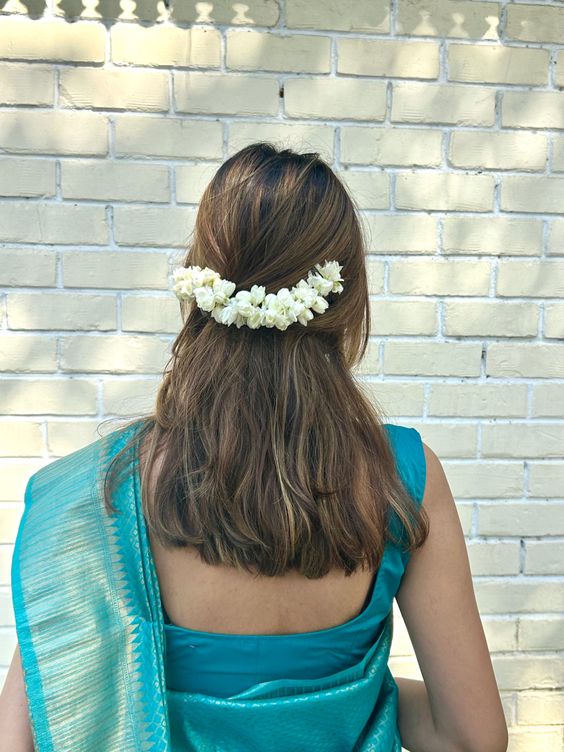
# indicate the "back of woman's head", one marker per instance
pixel 272 457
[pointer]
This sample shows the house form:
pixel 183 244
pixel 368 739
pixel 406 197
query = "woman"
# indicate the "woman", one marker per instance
pixel 220 575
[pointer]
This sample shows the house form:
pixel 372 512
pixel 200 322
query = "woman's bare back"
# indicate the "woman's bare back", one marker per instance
pixel 222 599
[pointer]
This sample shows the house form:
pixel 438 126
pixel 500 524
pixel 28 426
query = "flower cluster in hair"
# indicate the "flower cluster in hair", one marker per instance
pixel 254 308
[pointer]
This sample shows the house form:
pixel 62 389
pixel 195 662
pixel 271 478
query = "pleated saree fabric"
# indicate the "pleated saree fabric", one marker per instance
pixel 91 634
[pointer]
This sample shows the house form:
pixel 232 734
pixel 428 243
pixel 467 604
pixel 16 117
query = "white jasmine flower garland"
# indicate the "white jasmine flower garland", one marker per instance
pixel 254 308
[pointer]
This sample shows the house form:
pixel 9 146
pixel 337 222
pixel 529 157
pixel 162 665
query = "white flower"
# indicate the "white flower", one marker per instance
pixel 253 308
pixel 320 304
pixel 205 298
pixel 257 294
pixel 331 270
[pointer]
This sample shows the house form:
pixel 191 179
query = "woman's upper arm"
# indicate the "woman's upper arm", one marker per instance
pixel 439 608
pixel 15 729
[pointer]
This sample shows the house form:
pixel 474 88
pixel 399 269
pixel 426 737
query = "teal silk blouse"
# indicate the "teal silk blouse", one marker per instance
pixel 224 664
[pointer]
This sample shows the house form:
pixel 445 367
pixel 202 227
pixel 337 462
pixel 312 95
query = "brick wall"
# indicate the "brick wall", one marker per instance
pixel 445 118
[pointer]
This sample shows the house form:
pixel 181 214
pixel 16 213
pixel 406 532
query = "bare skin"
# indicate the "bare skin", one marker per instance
pixel 222 599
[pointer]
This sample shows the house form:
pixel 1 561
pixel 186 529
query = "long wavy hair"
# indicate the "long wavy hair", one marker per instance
pixel 273 456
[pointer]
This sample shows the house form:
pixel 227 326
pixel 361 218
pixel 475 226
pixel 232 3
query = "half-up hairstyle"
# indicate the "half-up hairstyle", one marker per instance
pixel 273 456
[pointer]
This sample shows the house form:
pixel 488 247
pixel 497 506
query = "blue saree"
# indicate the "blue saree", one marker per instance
pixel 90 628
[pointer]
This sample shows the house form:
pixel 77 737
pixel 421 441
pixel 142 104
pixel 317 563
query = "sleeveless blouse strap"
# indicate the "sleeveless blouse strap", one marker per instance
pixel 411 466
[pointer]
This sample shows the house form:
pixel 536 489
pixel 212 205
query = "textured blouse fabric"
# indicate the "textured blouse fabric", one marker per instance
pixel 222 665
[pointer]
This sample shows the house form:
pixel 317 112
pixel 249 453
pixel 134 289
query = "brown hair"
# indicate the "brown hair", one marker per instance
pixel 274 458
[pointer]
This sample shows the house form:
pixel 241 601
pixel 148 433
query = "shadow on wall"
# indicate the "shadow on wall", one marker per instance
pixel 413 19
pixel 128 10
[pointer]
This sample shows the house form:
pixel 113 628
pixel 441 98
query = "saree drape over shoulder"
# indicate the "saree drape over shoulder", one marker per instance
pixel 90 628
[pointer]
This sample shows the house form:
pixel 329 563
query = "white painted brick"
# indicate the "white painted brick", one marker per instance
pixel 498 64
pixel 301 136
pixel 61 310
pixel 432 358
pixel 535 23
pixel 370 363
pixel 559 74
pixel 370 188
pixel 54 223
pixel 153 226
pixel 50 396
pixel 536 440
pixel 166 45
pixel 556 238
pixel 547 400
pixel 57 40
pixel 524 671
pixel 33 267
pixel 335 98
pixel 450 439
pixel 525 360
pixel 492 235
pixel 454 104
pixel 10 516
pixel 6 610
pixel 144 313
pixel 403 317
pixel 521 518
pixel 397 398
pixel 168 137
pixel 192 179
pixel 27 353
pixel 22 84
pixel 532 109
pixel 558 152
pixel 484 480
pixel 490 319
pixel 113 353
pixel 127 396
pixel 396 233
pixel 439 277
pixel 20 438
pixel 6 553
pixel 523 596
pixel 525 193
pixel 478 400
pixel 465 516
pixel 390 146
pixel 493 558
pixel 27 177
pixel 498 151
pixel 263 13
pixel 229 94
pixel 366 16
pixel 448 18
pixel 247 49
pixel 15 476
pixel 544 557
pixel 375 275
pixel 546 633
pixel 390 58
pixel 120 270
pixel 444 191
pixel 114 89
pixel 531 278
pixel 65 436
pixel 554 320
pixel 118 181
pixel 501 633
pixel 540 707
pixel 546 479
pixel 52 132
